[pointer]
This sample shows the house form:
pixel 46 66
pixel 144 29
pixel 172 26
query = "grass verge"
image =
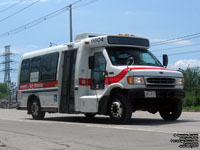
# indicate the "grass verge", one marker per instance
pixel 192 108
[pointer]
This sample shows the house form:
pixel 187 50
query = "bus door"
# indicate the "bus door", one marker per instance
pixel 67 88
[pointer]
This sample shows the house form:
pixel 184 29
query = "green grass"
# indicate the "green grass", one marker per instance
pixel 3 95
pixel 194 108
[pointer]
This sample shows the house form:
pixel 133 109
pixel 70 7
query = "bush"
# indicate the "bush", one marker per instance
pixel 197 101
pixel 187 102
pixel 3 91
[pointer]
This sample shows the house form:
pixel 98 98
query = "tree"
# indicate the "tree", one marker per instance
pixel 191 77
pixel 191 86
pixel 3 90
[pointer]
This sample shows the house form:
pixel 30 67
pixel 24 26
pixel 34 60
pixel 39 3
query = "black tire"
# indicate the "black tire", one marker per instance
pixel 173 112
pixel 89 115
pixel 120 109
pixel 36 112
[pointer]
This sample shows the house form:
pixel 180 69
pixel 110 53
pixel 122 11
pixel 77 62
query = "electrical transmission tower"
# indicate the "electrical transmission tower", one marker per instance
pixel 7 69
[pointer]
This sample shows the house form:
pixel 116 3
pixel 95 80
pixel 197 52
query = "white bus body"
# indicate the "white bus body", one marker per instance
pixel 99 74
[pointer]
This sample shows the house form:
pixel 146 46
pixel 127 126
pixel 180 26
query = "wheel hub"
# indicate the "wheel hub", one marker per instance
pixel 35 108
pixel 116 109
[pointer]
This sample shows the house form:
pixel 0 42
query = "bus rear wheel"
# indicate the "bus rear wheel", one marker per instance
pixel 36 112
pixel 120 109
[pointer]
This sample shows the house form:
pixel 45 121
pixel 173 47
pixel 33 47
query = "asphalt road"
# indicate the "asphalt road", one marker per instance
pixel 74 132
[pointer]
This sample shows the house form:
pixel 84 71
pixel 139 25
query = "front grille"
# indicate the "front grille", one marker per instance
pixel 160 81
pixel 160 86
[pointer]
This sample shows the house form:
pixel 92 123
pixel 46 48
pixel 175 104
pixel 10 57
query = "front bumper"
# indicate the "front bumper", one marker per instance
pixel 137 94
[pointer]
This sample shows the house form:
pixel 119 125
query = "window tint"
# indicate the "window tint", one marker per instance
pixel 128 41
pixel 49 67
pixel 35 69
pixel 100 62
pixel 25 71
pixel 98 73
pixel 120 55
pixel 148 58
pixel 35 64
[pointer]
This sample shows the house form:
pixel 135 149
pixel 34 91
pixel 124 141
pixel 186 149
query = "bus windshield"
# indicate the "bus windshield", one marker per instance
pixel 119 56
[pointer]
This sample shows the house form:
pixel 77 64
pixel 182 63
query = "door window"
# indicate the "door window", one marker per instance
pixel 98 73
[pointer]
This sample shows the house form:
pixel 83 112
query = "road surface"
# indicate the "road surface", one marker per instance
pixel 74 132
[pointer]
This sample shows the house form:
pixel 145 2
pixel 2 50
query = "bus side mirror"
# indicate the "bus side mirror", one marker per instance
pixel 165 60
pixel 91 62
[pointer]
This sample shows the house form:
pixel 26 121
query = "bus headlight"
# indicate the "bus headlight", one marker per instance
pixel 179 81
pixel 135 80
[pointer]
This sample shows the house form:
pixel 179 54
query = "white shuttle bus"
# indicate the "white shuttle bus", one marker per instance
pixel 113 75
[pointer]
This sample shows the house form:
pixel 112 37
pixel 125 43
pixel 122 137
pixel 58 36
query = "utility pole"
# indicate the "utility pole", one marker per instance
pixel 7 64
pixel 70 20
pixel 7 69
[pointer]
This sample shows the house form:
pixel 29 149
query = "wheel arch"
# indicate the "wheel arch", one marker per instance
pixel 105 101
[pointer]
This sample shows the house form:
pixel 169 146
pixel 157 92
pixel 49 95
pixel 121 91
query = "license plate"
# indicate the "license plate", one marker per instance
pixel 150 94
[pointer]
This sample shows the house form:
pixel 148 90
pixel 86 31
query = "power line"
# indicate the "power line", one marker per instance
pixel 175 47
pixel 11 6
pixel 175 41
pixel 17 12
pixel 184 53
pixel 76 2
pixel 186 36
pixel 197 51
pixel 178 39
pixel 37 21
pixel 85 4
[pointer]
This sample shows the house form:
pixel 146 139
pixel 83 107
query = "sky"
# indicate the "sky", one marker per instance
pixel 156 20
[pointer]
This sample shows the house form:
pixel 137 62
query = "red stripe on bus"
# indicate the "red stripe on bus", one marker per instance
pixel 84 81
pixel 122 74
pixel 38 85
pixel 118 77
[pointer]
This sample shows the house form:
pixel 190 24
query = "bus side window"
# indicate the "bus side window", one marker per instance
pixel 35 68
pixel 35 64
pixel 25 71
pixel 49 67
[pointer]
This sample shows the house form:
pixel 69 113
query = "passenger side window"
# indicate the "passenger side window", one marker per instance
pixel 49 67
pixel 25 71
pixel 100 62
pixel 35 64
pixel 147 58
pixel 35 69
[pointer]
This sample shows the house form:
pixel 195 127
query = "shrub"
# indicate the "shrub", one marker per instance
pixel 197 101
pixel 187 102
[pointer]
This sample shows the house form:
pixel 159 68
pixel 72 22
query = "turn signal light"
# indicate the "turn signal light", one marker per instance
pixel 86 42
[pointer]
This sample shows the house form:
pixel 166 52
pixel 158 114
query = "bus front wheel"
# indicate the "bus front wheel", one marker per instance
pixel 173 112
pixel 120 109
pixel 36 112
